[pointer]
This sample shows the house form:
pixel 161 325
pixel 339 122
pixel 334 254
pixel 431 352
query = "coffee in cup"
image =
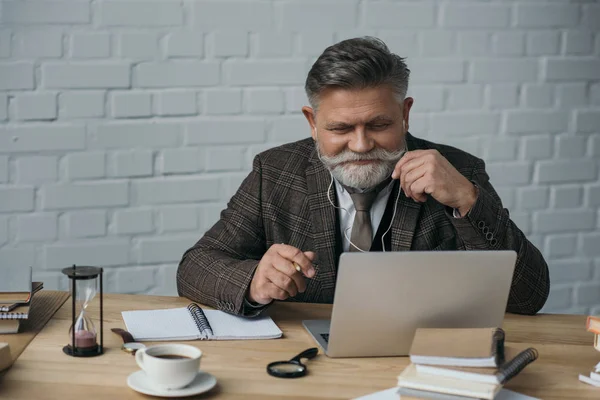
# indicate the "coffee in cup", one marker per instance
pixel 172 357
pixel 169 366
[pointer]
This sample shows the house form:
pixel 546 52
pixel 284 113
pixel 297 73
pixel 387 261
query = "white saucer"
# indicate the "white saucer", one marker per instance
pixel 203 382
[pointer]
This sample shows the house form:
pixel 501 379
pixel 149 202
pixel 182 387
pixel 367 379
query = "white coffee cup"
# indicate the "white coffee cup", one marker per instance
pixel 169 366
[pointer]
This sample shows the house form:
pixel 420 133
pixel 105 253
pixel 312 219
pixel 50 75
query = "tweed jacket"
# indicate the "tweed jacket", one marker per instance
pixel 284 200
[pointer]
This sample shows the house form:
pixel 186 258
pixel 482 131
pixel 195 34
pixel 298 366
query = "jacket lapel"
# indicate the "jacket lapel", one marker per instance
pixel 405 221
pixel 323 220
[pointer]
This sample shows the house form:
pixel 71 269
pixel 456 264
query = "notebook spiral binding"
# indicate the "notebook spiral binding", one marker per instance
pixel 200 320
pixel 17 315
pixel 517 364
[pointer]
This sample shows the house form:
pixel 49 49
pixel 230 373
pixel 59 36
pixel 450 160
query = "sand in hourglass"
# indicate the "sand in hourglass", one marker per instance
pixel 85 339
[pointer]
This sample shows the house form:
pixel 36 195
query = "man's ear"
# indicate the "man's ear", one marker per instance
pixel 309 114
pixel 406 106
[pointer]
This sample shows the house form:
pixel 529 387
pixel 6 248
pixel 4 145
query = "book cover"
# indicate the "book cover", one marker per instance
pixel 411 379
pixel 15 284
pixel 477 347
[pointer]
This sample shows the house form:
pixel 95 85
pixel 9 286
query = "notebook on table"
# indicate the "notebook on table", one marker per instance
pixel 411 379
pixel 19 312
pixel 411 394
pixel 477 347
pixel 515 362
pixel 9 326
pixel 193 323
pixel 11 315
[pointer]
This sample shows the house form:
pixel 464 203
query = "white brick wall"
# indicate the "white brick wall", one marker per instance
pixel 16 75
pixel 80 224
pixel 38 106
pixel 138 46
pixel 131 104
pixel 125 125
pixel 132 221
pixel 36 169
pixel 90 45
pixel 51 12
pixel 43 43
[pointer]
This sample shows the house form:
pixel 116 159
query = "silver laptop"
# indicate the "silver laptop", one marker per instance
pixel 382 298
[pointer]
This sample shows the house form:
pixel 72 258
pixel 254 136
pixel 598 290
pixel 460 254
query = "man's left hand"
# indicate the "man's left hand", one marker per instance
pixel 427 172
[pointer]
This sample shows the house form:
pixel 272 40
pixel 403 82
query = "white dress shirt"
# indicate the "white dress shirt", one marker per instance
pixel 347 217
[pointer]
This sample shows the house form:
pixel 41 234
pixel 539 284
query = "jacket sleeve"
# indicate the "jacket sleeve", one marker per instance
pixel 218 269
pixel 487 226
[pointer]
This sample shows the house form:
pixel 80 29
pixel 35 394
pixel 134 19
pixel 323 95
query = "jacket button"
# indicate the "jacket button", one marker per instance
pixel 489 236
pixel 480 224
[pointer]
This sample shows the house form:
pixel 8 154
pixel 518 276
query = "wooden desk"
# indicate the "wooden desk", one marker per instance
pixel 44 372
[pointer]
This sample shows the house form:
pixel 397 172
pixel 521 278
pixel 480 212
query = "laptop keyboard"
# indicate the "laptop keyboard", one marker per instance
pixel 325 337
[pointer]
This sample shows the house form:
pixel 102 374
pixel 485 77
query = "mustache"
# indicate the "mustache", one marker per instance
pixel 373 155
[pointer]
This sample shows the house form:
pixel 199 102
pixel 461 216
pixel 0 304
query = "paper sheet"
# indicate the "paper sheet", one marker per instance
pixel 391 394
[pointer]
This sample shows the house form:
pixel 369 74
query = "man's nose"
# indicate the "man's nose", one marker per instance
pixel 361 142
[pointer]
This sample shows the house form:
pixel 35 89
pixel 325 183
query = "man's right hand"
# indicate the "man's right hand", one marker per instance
pixel 276 277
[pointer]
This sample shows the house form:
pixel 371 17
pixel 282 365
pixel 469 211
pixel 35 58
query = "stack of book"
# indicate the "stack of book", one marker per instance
pixel 16 295
pixel 460 364
pixel 593 325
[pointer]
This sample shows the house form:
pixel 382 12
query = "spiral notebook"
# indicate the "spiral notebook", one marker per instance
pixel 193 323
pixel 515 362
pixel 457 382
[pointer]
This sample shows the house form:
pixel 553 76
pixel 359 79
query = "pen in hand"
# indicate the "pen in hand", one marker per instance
pixel 281 274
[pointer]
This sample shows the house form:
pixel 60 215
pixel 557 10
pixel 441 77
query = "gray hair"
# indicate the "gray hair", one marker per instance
pixel 357 64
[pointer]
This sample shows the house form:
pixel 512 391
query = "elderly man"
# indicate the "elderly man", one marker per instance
pixel 361 183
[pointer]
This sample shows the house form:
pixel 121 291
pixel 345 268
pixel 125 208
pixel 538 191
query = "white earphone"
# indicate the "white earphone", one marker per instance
pixel 348 212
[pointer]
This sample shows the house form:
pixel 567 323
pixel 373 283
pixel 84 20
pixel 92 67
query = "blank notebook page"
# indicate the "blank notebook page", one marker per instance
pixel 226 326
pixel 178 324
pixel 172 324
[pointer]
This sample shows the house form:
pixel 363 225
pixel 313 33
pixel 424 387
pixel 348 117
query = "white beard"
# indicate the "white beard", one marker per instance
pixel 362 176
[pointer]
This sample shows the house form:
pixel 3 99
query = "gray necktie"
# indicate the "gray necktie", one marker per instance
pixel 362 229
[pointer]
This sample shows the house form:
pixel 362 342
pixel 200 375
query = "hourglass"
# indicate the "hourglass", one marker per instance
pixel 83 337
